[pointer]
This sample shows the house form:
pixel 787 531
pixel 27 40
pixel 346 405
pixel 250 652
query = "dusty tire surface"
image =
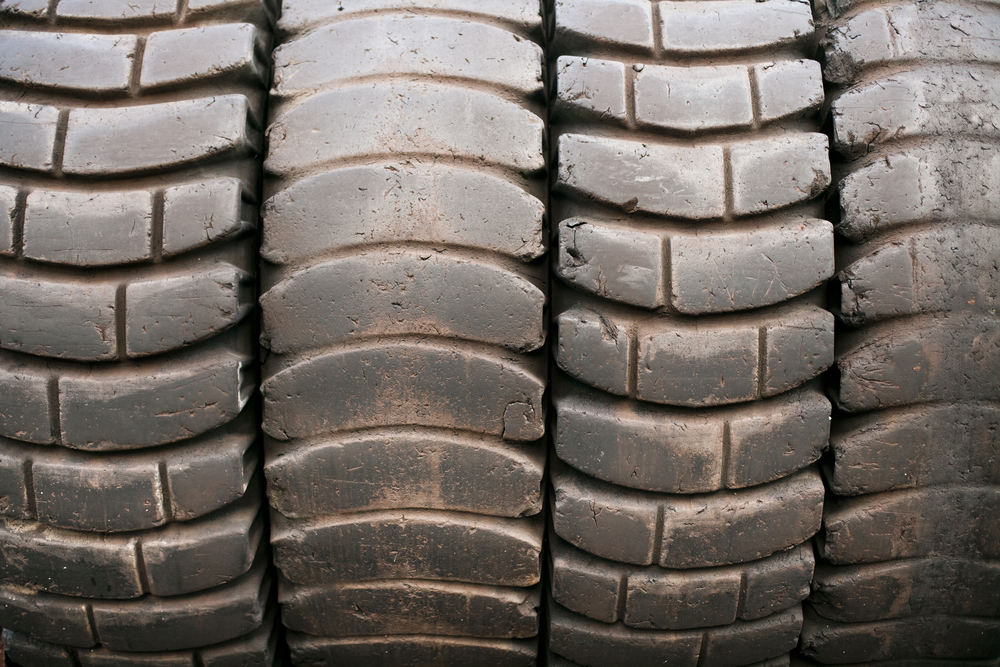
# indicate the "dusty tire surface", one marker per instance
pixel 404 313
pixel 130 146
pixel 910 548
pixel 690 331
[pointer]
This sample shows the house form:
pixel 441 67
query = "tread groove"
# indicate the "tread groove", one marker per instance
pixel 29 489
pixel 92 624
pixel 140 566
pixel 622 597
pixel 726 449
pixel 658 534
pixel 134 89
pixel 761 360
pixel 17 233
pixel 156 231
pixel 55 423
pixel 754 97
pixel 121 341
pixel 727 182
pixel 59 146
pixel 168 507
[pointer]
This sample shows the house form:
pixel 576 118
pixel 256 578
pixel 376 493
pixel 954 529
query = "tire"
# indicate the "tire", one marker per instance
pixel 913 457
pixel 404 312
pixel 690 329
pixel 130 140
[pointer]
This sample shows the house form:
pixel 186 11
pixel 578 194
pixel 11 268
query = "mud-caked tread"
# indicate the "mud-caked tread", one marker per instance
pixel 408 544
pixel 256 649
pixel 655 598
pixel 172 560
pixel 405 310
pixel 404 468
pixel 117 492
pixel 685 531
pixel 595 644
pixel 922 637
pixel 906 588
pixel 146 624
pixel 131 136
pixel 413 650
pixel 410 607
pixel 921 445
pixel 953 520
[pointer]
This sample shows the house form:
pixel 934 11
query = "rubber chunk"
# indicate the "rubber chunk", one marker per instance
pixel 406 46
pixel 405 468
pixel 595 644
pixel 410 607
pixel 655 598
pixel 405 383
pixel 425 119
pixel 673 451
pixel 377 204
pixel 404 544
pixel 399 292
pixel 692 531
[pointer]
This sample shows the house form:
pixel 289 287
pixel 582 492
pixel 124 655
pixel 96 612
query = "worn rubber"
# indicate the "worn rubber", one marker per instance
pixel 690 328
pixel 596 644
pixel 259 648
pixel 923 637
pixel 404 313
pixel 146 624
pixel 656 598
pixel 130 156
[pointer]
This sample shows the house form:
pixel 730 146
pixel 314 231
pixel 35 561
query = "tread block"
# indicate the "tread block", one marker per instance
pixel 88 228
pixel 390 119
pixel 907 588
pixel 157 136
pixel 256 649
pixel 407 46
pixel 679 181
pixel 685 531
pixel 947 181
pixel 932 637
pixel 25 412
pixel 95 63
pixel 198 214
pixel 920 446
pixel 927 358
pixel 553 660
pixel 29 8
pixel 590 88
pixel 68 320
pixel 801 661
pixel 929 102
pixel 924 272
pixel 787 88
pixel 692 99
pixel 405 468
pixel 115 10
pixel 596 644
pixel 621 24
pixel 170 313
pixel 913 523
pixel 709 272
pixel 671 451
pixel 906 33
pixel 297 16
pixel 769 174
pixel 407 545
pixel 8 209
pixel 405 383
pixel 410 607
pixel 696 364
pixel 27 135
pixel 173 560
pixel 654 598
pixel 388 204
pixel 690 182
pixel 411 650
pixel 171 402
pixel 397 292
pixel 727 26
pixel 76 490
pixel 190 55
pixel 146 624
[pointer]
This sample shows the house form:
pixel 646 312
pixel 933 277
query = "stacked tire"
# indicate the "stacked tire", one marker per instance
pixel 404 314
pixel 132 524
pixel 690 330
pixel 911 541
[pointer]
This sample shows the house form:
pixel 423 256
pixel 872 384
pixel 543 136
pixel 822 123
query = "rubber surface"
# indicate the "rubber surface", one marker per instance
pixel 404 314
pixel 131 137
